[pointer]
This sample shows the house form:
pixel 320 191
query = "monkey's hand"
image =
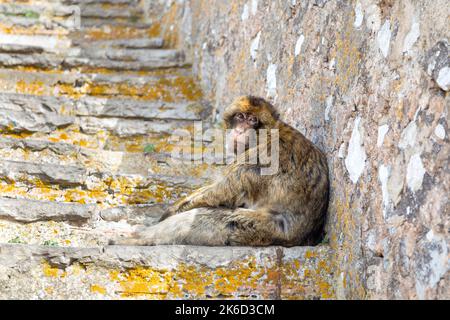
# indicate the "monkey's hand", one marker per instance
pixel 194 200
pixel 168 213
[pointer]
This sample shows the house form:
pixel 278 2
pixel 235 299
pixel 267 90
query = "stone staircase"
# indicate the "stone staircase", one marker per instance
pixel 85 88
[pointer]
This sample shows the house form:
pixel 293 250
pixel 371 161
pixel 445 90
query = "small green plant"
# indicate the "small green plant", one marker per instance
pixel 27 14
pixel 16 240
pixel 150 148
pixel 31 14
pixel 133 19
pixel 50 243
pixel 325 240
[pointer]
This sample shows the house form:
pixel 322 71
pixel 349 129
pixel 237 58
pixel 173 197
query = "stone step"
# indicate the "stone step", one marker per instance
pixel 127 11
pixel 105 108
pixel 120 117
pixel 165 272
pixel 33 45
pixel 52 17
pixel 29 211
pixel 72 16
pixel 126 59
pixel 116 162
pixel 34 173
pixel 13 55
pixel 164 85
pixel 104 10
pixel 25 210
pixel 71 224
pixel 161 143
pixel 116 49
pixel 66 183
pixel 46 122
pixel 92 31
pixel 105 2
pixel 77 29
pixel 133 43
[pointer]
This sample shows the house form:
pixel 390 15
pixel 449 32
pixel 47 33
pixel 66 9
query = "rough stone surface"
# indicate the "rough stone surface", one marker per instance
pixel 25 210
pixel 367 81
pixel 164 272
pixel 332 66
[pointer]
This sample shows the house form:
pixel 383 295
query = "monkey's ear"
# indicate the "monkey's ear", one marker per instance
pixel 265 111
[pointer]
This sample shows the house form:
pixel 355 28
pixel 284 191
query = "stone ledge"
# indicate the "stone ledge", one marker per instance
pixel 165 272
pixel 101 107
pixel 25 210
pixel 69 175
pixel 133 43
pixel 28 210
pixel 115 162
pixel 24 122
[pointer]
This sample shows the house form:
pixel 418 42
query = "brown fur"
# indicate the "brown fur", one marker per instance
pixel 247 208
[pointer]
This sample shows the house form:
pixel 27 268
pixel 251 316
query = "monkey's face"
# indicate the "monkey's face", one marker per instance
pixel 243 132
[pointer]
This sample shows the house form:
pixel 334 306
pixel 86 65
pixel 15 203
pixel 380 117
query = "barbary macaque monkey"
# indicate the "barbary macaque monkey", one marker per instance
pixel 245 207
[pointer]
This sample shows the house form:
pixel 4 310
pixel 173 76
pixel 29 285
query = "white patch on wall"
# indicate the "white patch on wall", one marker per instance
pixel 359 15
pixel 254 8
pixel 356 156
pixel 329 105
pixel 443 79
pixel 430 273
pixel 383 176
pixel 254 46
pixel 341 152
pixel 272 80
pixel 411 37
pixel 373 17
pixel 298 45
pixel 432 65
pixel 245 13
pixel 332 64
pixel 439 131
pixel 384 38
pixel 382 130
pixel 408 136
pixel 415 172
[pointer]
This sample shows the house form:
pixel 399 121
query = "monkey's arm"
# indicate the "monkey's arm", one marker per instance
pixel 226 192
pixel 213 195
pixel 203 197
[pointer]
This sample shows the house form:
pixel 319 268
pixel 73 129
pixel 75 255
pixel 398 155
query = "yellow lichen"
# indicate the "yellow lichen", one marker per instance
pixel 95 288
pixel 240 278
pixel 111 32
pixel 33 87
pixel 347 56
pixel 52 272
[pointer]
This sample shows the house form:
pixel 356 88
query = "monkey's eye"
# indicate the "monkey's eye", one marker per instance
pixel 240 116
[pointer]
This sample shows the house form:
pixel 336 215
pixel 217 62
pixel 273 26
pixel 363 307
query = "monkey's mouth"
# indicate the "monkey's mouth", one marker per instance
pixel 241 137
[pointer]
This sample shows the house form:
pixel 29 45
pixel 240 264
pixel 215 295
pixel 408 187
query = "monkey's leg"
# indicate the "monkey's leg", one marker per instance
pixel 217 227
pixel 189 227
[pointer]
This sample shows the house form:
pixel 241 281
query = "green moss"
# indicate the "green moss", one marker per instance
pixel 27 14
pixel 31 14
pixel 16 240
pixel 50 243
pixel 150 148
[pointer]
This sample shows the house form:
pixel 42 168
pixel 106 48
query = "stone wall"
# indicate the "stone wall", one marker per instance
pixel 368 82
